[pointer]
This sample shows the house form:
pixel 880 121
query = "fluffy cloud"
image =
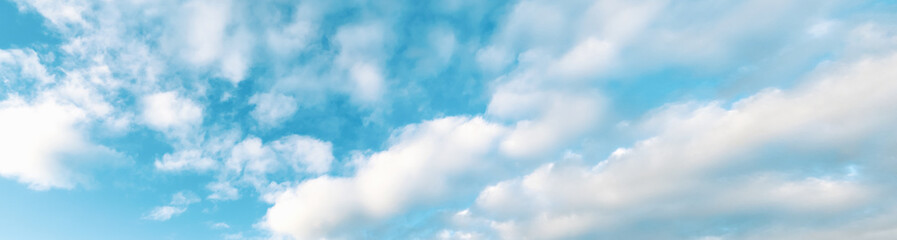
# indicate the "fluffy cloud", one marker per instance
pixel 272 108
pixel 551 72
pixel 166 111
pixel 703 165
pixel 260 165
pixel 18 64
pixel 35 138
pixel 44 142
pixel 213 38
pixel 178 205
pixel 425 164
pixel 361 54
pixel 305 153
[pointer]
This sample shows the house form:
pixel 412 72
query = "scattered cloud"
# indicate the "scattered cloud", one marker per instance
pixel 168 111
pixel 425 163
pixel 178 205
pixel 464 119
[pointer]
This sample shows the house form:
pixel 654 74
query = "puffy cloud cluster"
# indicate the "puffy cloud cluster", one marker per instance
pixel 167 111
pixel 45 140
pixel 796 161
pixel 704 165
pixel 425 164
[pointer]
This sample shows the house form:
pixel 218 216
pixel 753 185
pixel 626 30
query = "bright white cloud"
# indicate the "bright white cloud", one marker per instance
pixel 292 37
pixel 425 163
pixel 688 170
pixel 43 143
pixel 213 38
pixel 220 225
pixel 61 14
pixel 549 59
pixel 164 213
pixel 185 160
pixel 252 157
pixel 563 116
pixel 585 60
pixel 260 165
pixel 166 111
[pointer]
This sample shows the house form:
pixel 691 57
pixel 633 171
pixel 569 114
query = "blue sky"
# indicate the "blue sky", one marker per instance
pixel 450 119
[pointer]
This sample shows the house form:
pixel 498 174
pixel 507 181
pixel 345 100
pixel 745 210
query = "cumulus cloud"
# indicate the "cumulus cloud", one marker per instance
pixel 167 111
pixel 548 73
pixel 213 37
pixel 699 166
pixel 305 153
pixel 260 165
pixel 35 136
pixel 425 163
pixel 44 143
pixel 361 55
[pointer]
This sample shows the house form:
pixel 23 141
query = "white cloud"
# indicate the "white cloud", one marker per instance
pixel 697 166
pixel 18 64
pixel 292 37
pixel 185 160
pixel 302 153
pixel 210 35
pixel 586 59
pixel 184 198
pixel 564 116
pixel 271 109
pixel 424 164
pixel 436 52
pixel 361 54
pixel 258 164
pixel 164 213
pixel 305 153
pixel 251 157
pixel 178 205
pixel 61 14
pixel 493 58
pixel 548 114
pixel 220 225
pixel 43 143
pixel 166 111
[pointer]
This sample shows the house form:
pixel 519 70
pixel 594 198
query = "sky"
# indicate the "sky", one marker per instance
pixel 448 119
